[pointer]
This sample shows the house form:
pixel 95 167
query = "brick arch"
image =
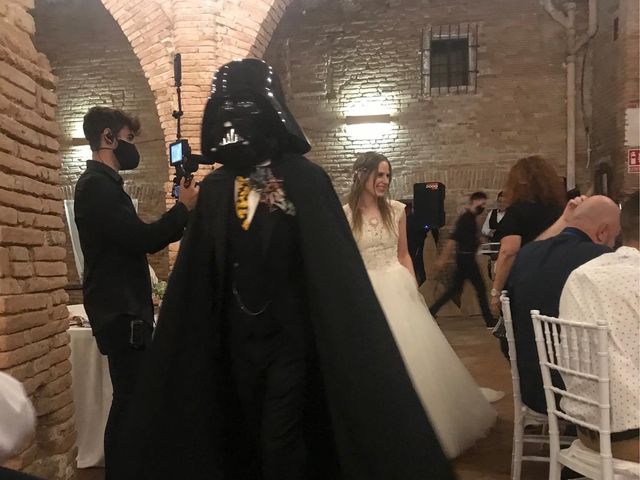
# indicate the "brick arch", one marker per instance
pixel 273 11
pixel 148 25
pixel 207 33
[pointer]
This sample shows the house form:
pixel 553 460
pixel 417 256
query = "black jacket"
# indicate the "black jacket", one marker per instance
pixel 380 428
pixel 535 283
pixel 115 243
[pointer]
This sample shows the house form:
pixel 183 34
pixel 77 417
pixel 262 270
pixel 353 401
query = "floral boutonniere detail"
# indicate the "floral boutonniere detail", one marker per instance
pixel 271 190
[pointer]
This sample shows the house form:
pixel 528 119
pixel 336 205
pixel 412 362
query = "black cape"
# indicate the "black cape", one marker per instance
pixel 380 428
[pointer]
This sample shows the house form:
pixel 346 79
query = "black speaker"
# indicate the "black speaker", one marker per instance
pixel 428 204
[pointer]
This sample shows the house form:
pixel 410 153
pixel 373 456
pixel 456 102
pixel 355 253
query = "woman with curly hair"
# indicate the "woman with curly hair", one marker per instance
pixel 535 198
pixel 459 411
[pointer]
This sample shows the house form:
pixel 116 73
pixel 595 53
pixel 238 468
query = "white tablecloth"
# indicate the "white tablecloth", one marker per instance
pixel 92 394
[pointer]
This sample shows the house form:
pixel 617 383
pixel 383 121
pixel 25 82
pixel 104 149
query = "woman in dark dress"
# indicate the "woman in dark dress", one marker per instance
pixel 535 198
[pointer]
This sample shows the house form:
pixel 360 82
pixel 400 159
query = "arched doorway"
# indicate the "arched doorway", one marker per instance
pixel 96 65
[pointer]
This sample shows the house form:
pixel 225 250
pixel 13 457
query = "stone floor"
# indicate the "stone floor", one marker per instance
pixel 490 458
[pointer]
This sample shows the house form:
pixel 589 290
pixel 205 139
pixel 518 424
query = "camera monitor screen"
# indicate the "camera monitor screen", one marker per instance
pixel 176 153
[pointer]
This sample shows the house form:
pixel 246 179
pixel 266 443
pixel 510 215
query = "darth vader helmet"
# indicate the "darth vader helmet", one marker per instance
pixel 246 120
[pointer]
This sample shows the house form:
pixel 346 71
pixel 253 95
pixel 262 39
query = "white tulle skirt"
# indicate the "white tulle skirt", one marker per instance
pixel 458 409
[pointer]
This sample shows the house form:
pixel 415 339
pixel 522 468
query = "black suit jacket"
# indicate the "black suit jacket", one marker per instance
pixel 114 241
pixel 535 283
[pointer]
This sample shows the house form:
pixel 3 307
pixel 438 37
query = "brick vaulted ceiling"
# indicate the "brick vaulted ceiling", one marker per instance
pixel 207 33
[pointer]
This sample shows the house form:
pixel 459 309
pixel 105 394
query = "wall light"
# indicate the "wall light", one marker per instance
pixel 372 133
pixel 360 119
pixel 370 121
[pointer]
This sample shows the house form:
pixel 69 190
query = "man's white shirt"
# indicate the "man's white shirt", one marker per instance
pixel 486 229
pixel 608 287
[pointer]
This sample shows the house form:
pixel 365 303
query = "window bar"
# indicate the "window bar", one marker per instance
pixel 439 74
pixel 449 59
pixel 457 80
pixel 469 58
pixel 430 65
pixel 476 42
pixel 422 69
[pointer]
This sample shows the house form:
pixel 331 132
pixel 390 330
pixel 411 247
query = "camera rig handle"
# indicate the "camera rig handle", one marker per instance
pixel 187 163
pixel 177 76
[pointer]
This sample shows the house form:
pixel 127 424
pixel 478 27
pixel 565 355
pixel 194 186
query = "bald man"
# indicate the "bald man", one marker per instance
pixel 540 272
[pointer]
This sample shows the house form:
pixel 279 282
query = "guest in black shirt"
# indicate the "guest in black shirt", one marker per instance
pixel 465 241
pixel 115 241
pixel 538 277
pixel 535 198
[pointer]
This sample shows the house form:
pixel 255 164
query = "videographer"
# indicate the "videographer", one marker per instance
pixel 115 242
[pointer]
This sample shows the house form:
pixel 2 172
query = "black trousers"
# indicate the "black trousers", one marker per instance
pixel 415 240
pixel 267 377
pixel 466 269
pixel 124 367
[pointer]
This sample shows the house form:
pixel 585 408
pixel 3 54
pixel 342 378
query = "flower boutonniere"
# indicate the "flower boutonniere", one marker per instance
pixel 271 190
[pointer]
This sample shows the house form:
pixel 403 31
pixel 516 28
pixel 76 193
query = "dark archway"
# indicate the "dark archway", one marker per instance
pixel 96 65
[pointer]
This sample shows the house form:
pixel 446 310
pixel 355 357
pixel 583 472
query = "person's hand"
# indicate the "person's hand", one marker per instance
pixel 495 306
pixel 188 194
pixel 571 206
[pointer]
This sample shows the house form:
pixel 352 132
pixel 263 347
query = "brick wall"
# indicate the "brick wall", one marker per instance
pixel 33 313
pixel 96 65
pixel 332 55
pixel 615 88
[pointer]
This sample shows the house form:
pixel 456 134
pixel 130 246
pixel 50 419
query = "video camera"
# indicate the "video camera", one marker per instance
pixel 180 156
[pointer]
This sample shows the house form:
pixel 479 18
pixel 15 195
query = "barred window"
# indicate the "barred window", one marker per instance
pixel 449 59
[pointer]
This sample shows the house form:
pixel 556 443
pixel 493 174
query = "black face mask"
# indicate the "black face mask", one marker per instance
pixel 479 209
pixel 127 155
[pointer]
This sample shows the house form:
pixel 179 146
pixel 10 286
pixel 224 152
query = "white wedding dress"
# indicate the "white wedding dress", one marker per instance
pixel 458 409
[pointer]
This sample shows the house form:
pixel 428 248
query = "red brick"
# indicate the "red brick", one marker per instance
pixel 8 216
pixel 49 253
pixel 58 297
pixel 5 264
pixel 23 321
pixel 20 236
pixel 42 284
pixel 56 238
pixel 50 269
pixel 19 254
pixel 9 286
pixel 23 354
pixel 21 201
pixel 46 405
pixel 23 302
pixel 22 269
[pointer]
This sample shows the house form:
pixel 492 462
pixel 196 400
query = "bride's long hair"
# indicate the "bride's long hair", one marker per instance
pixel 366 164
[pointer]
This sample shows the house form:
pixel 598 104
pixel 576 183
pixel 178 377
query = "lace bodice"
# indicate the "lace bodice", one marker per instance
pixel 378 246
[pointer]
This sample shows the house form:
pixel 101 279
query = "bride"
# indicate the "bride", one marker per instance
pixel 459 411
